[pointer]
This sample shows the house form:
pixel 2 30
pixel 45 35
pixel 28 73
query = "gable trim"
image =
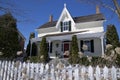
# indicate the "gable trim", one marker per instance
pixel 67 12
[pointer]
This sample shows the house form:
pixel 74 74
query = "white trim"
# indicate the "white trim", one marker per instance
pixel 102 45
pixel 65 26
pixel 62 15
pixel 69 36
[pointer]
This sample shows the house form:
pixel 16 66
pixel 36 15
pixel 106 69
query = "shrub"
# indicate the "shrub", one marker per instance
pixel 84 61
pixel 34 59
pixel 74 51
pixel 43 56
pixel 112 36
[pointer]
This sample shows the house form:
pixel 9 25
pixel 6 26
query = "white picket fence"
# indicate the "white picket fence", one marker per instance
pixel 10 70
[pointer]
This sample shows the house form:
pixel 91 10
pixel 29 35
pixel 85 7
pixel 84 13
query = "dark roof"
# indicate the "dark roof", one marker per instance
pixel 48 24
pixel 88 18
pixel 94 17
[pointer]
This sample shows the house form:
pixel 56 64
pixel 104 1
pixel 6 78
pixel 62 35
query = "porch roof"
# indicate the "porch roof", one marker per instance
pixel 37 39
pixel 68 36
pixel 91 35
pixel 65 33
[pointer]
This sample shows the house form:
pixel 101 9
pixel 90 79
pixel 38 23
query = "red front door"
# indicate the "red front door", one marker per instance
pixel 66 47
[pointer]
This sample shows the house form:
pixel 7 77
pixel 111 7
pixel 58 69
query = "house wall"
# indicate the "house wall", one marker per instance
pixel 97 47
pixel 91 27
pixel 94 26
pixel 45 31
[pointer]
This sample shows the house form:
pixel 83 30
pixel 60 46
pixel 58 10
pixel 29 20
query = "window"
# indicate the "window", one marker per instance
pixel 66 26
pixel 87 46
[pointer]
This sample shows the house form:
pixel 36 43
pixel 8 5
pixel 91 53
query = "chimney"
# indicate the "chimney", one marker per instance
pixel 97 9
pixel 50 18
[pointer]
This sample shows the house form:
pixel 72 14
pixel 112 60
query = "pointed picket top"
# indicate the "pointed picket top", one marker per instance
pixel 105 72
pixel 113 73
pixel 97 73
pixel 47 66
pixel 24 64
pixel 90 72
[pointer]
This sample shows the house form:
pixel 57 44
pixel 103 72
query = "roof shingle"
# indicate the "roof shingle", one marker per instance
pixel 89 18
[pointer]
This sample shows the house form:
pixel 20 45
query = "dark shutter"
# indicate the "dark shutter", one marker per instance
pixel 69 25
pixel 92 45
pixel 51 47
pixel 48 47
pixel 61 25
pixel 81 45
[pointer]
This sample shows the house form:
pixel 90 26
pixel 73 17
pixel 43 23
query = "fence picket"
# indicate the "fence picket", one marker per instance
pixel 9 70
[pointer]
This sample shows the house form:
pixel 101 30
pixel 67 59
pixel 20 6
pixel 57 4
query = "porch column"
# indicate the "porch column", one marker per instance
pixel 102 45
pixel 49 46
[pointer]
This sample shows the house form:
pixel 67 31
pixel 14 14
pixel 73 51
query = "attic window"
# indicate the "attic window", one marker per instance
pixel 66 26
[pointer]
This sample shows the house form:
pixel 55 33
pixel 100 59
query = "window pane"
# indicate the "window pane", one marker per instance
pixel 65 26
pixel 88 44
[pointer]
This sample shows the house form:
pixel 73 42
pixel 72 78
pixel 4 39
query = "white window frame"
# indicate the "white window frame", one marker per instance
pixel 88 43
pixel 65 26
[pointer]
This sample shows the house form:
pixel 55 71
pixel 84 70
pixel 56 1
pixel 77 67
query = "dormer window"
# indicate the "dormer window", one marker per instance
pixel 65 26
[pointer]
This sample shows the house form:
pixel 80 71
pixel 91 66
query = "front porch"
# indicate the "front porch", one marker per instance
pixel 59 44
pixel 58 48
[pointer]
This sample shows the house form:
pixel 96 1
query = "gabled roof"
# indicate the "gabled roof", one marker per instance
pixel 88 18
pixel 48 24
pixel 65 14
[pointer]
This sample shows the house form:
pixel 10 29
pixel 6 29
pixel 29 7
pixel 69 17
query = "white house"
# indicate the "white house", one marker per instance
pixel 88 29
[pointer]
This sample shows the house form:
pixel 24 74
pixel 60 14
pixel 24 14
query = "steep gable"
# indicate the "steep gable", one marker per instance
pixel 65 15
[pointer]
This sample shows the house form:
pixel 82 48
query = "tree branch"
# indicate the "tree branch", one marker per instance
pixel 117 7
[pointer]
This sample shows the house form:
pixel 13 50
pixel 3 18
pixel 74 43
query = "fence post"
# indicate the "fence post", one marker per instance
pixel 19 71
pixel 70 72
pixel 105 72
pixel 97 73
pixel 83 72
pixel 113 73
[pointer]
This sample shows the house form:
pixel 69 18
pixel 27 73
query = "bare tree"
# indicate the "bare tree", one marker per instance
pixel 14 9
pixel 7 7
pixel 117 7
pixel 112 5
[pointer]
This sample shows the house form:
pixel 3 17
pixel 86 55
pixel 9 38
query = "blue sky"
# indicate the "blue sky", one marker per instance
pixel 33 13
